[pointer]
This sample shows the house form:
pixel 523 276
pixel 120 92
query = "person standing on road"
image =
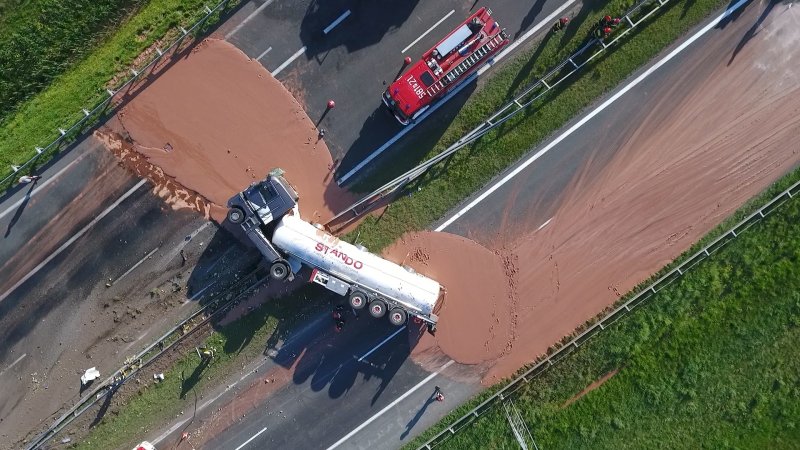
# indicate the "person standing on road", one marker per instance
pixel 437 394
pixel 25 179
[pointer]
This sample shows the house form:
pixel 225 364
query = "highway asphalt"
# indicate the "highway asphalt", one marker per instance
pixel 527 202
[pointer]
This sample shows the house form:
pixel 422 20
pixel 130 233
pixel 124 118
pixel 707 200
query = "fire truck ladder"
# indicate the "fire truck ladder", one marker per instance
pixel 467 64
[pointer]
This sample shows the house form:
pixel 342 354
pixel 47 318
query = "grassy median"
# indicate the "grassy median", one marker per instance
pixel 76 69
pixel 708 362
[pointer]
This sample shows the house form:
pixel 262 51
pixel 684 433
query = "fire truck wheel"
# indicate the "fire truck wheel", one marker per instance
pixel 236 215
pixel 398 316
pixel 377 308
pixel 358 300
pixel 279 270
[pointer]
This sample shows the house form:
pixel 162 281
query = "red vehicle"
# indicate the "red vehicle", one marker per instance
pixel 444 66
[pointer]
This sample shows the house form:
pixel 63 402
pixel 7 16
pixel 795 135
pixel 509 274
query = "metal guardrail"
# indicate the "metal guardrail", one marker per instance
pixel 90 117
pixel 141 360
pixel 632 18
pixel 614 315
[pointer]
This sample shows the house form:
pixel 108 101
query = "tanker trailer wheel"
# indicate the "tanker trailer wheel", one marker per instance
pixel 398 316
pixel 377 308
pixel 236 215
pixel 279 270
pixel 358 300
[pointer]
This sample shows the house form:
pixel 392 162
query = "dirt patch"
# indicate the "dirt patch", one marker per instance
pixel 594 385
pixel 217 121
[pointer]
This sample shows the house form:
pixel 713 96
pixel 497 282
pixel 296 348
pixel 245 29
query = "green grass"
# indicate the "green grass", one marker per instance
pixel 75 78
pixel 157 405
pixel 475 165
pixel 41 39
pixel 708 362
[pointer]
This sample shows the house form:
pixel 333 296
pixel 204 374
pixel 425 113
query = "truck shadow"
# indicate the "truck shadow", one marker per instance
pixel 337 361
pixel 370 18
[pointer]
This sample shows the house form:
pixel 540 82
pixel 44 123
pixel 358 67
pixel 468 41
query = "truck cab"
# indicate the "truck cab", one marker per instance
pixel 258 209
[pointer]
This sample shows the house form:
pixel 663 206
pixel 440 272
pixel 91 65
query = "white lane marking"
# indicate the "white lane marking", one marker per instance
pixel 251 439
pixel 14 363
pixel 135 265
pixel 382 342
pixel 544 224
pixel 390 405
pixel 247 19
pixel 264 53
pixel 336 22
pixel 429 30
pixel 71 240
pixel 591 115
pixel 450 95
pixel 40 186
pixel 288 61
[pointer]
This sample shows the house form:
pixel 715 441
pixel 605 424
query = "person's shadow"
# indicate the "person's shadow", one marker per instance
pixel 411 423
pixel 18 212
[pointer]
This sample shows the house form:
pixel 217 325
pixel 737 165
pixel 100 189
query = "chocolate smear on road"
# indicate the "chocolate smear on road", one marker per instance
pixel 217 121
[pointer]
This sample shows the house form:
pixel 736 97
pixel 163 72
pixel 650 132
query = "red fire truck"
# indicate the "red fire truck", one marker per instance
pixel 444 66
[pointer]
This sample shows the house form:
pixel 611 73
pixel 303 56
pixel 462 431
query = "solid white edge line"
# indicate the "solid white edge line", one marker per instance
pixel 336 22
pixel 264 53
pixel 591 115
pixel 74 238
pixel 288 61
pixel 39 186
pixel 247 19
pixel 390 406
pixel 452 11
pixel 382 342
pixel 251 439
pixel 451 94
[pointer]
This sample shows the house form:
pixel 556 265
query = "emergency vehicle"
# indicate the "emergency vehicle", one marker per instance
pixel 443 67
pixel 267 212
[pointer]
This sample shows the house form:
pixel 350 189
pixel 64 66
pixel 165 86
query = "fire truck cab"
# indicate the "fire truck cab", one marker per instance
pixel 444 66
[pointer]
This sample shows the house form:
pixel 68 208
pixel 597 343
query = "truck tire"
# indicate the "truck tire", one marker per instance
pixel 398 316
pixel 377 308
pixel 279 270
pixel 358 300
pixel 236 215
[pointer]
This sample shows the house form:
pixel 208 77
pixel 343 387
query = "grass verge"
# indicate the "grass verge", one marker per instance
pixel 36 121
pixel 708 362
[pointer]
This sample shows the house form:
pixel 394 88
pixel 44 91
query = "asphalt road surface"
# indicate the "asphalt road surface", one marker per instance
pixel 354 62
pixel 530 198
pixel 81 251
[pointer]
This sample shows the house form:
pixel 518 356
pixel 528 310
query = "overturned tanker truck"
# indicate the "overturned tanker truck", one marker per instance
pixel 267 212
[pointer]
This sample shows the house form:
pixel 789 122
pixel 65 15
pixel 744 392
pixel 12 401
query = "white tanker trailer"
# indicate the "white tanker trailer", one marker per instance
pixel 267 211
